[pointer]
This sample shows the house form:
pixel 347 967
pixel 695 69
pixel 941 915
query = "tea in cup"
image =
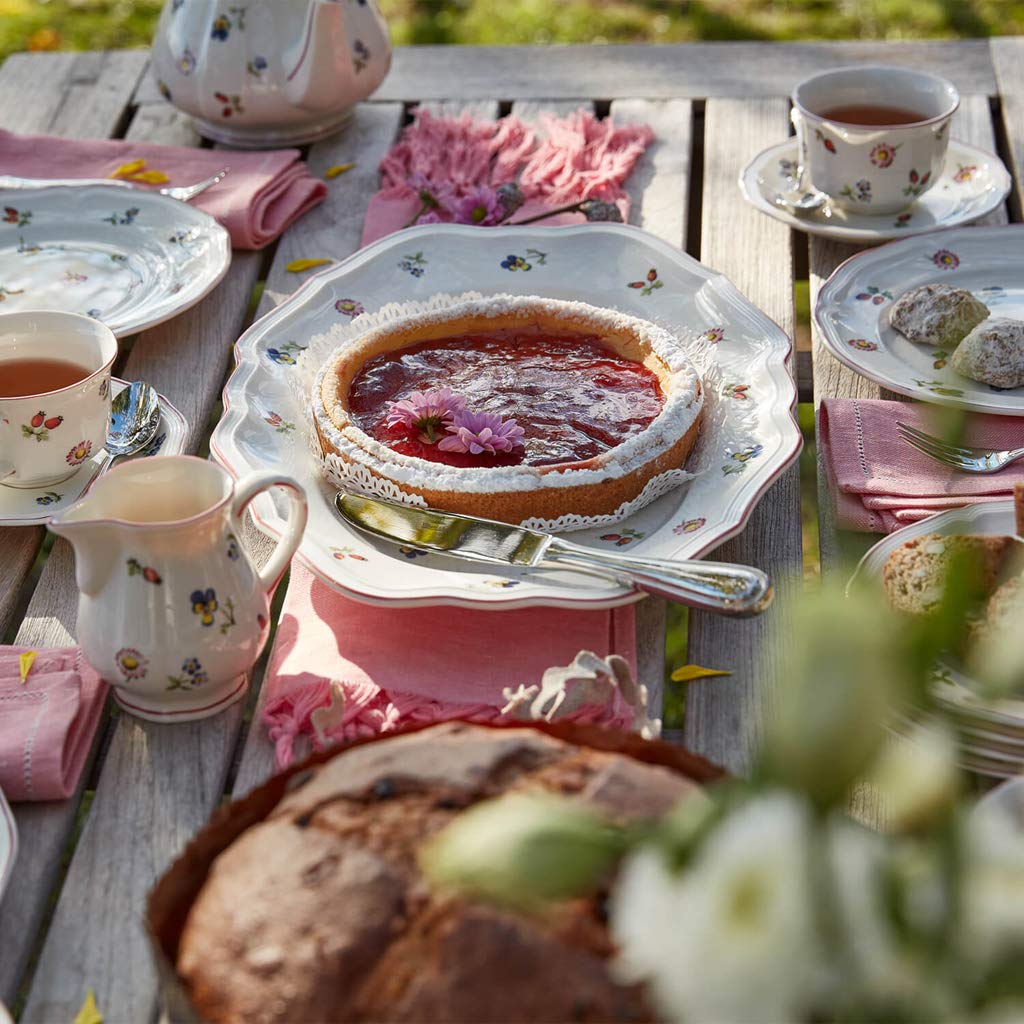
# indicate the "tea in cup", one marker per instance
pixel 873 138
pixel 54 395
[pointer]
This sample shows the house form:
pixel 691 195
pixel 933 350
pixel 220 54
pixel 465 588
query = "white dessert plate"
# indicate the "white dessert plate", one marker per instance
pixel 131 259
pixel 853 311
pixel 31 506
pixel 8 845
pixel 606 265
pixel 973 184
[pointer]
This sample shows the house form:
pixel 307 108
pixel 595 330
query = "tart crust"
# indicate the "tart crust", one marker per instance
pixel 596 486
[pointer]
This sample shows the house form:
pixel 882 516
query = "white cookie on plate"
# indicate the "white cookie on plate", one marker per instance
pixel 993 353
pixel 936 314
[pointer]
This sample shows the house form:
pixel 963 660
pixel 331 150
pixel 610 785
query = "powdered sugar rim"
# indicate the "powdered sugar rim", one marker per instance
pixel 682 407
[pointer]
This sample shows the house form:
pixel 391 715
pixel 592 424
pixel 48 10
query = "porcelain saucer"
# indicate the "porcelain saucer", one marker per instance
pixel 33 506
pixel 973 184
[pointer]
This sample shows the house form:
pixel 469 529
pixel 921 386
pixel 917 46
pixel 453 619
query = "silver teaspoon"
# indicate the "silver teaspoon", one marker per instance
pixel 134 419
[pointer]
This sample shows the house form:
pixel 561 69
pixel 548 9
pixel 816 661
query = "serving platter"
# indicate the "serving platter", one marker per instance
pixel 131 259
pixel 32 506
pixel 853 311
pixel 754 436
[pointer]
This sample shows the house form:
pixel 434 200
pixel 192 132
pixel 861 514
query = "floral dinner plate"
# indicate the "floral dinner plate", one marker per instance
pixel 31 506
pixel 749 440
pixel 131 259
pixel 853 311
pixel 973 183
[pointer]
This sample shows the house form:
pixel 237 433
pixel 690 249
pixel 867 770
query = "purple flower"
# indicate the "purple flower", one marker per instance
pixel 430 217
pixel 428 412
pixel 481 205
pixel 477 432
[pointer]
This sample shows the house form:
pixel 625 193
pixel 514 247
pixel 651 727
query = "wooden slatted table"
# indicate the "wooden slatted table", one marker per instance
pixel 71 919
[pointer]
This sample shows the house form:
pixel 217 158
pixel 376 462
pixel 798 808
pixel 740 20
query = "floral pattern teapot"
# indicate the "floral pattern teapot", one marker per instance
pixel 171 612
pixel 257 73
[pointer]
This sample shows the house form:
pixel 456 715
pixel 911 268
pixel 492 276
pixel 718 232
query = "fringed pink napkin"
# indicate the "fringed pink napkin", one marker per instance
pixel 880 483
pixel 461 162
pixel 264 193
pixel 391 667
pixel 47 722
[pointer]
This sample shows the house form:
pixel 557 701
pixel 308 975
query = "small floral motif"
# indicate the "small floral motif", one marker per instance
pixel 342 553
pixel 40 426
pixel 261 621
pixel 411 553
pixel 257 66
pixel 917 183
pixel 128 217
pixel 992 293
pixel 859 192
pixel 187 62
pixel 4 292
pixel 204 604
pixel 154 446
pixel 964 174
pixel 132 664
pixel 623 537
pixel 736 391
pixel 147 572
pixel 192 675
pixel 738 460
pixel 945 260
pixel 287 354
pixel 164 89
pixel 94 313
pixel 826 142
pixel 49 498
pixel 940 132
pixel 349 307
pixel 232 103
pixel 513 262
pixel 15 216
pixel 941 357
pixel 902 221
pixel 282 426
pixel 647 286
pixel 500 584
pixel 936 387
pixel 883 154
pixel 79 453
pixel 788 168
pixel 28 248
pixel 119 257
pixel 414 264
pixel 714 335
pixel 183 237
pixel 221 28
pixel 690 526
pixel 233 551
pixel 360 55
pixel 70 277
pixel 873 295
pixel 862 344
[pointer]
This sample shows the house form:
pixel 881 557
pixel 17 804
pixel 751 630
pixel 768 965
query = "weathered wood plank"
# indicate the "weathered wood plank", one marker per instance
pixel 756 253
pixel 159 782
pixel 1008 58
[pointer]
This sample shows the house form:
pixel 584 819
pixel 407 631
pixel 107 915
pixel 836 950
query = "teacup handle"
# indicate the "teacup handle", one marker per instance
pixel 298 512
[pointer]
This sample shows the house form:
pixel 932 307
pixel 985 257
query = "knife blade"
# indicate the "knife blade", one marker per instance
pixel 720 587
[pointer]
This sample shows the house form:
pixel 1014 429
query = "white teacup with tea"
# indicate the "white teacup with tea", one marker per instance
pixel 54 395
pixel 873 138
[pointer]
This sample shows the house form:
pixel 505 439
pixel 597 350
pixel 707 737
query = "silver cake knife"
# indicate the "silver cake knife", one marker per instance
pixel 719 587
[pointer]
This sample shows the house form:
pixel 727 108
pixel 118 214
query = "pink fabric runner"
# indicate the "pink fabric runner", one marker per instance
pixel 880 483
pixel 418 665
pixel 263 194
pixel 47 723
pixel 570 158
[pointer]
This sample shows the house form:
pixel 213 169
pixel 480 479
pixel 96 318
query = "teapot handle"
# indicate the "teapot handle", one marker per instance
pixel 256 483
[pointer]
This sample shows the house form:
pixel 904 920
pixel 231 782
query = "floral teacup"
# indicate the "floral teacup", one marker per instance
pixel 47 434
pixel 873 168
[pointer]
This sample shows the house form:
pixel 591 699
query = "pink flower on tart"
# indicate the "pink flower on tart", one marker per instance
pixel 479 432
pixel 429 413
pixel 481 205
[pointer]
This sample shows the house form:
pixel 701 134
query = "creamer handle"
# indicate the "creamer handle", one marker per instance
pixel 255 483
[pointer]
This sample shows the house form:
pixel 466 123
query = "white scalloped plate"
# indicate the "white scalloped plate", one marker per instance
pixel 603 264
pixel 129 258
pixel 853 311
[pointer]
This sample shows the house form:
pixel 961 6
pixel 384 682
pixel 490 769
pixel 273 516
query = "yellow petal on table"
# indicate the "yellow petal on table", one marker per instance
pixel 132 167
pixel 89 1013
pixel 25 662
pixel 337 169
pixel 150 177
pixel 297 266
pixel 688 673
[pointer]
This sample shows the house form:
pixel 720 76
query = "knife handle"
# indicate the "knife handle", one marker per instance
pixel 719 587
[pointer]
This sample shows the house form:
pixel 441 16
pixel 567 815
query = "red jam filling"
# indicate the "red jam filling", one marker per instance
pixel 572 395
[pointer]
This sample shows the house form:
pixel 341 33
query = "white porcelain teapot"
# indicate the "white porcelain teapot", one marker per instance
pixel 260 73
pixel 171 612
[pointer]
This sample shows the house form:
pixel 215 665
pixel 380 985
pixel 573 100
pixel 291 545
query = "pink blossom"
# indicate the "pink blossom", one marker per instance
pixel 430 217
pixel 477 432
pixel 481 205
pixel 427 412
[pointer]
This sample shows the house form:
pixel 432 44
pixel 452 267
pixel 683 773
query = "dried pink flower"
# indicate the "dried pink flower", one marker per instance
pixel 428 412
pixel 478 432
pixel 481 205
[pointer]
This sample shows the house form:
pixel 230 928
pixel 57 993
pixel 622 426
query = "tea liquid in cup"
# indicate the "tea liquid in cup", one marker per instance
pixel 54 395
pixel 873 138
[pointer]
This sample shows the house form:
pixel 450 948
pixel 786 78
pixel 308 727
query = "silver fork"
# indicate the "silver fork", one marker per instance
pixel 182 192
pixel 968 460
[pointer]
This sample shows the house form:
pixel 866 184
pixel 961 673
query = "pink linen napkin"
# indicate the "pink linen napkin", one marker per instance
pixel 403 666
pixel 575 157
pixel 879 483
pixel 47 723
pixel 263 194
